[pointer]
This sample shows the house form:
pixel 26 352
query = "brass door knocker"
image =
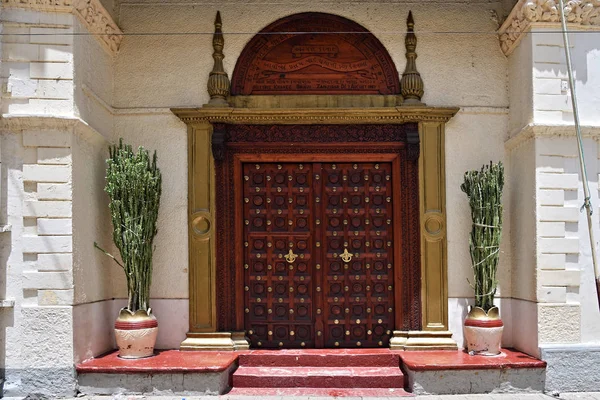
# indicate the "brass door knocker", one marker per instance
pixel 346 257
pixel 291 257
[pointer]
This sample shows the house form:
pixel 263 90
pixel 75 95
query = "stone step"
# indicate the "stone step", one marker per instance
pixel 320 358
pixel 318 377
pixel 259 393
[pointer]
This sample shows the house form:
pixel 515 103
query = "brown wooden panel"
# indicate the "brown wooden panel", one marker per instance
pixel 357 208
pixel 278 255
pixel 340 57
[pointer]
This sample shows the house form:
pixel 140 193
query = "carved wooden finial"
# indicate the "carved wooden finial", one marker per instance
pixel 218 81
pixel 411 82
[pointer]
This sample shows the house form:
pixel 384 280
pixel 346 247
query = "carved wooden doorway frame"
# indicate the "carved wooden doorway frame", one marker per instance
pixel 235 144
pixel 204 329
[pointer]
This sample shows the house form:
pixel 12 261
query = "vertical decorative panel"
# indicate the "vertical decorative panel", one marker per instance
pixel 432 176
pixel 201 238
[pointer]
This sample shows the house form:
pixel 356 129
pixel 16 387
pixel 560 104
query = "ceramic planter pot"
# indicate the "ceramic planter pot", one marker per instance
pixel 483 331
pixel 136 333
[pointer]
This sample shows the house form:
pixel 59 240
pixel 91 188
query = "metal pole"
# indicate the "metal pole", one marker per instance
pixel 586 189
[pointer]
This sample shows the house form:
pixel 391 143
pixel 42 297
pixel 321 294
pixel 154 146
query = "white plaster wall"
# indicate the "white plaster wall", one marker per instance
pixel 153 73
pixel 552 104
pixel 520 86
pixel 92 270
pixel 165 133
pixel 93 81
pixel 522 220
pixel 474 137
pixel 29 331
pixel 167 71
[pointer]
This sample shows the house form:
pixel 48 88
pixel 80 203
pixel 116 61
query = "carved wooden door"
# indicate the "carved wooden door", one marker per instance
pixel 318 254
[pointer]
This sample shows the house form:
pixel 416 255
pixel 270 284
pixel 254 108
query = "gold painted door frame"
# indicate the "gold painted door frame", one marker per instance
pixel 201 211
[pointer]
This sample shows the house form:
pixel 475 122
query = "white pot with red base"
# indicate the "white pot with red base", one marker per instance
pixel 483 331
pixel 136 333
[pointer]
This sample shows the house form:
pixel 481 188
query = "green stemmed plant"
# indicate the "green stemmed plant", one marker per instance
pixel 133 184
pixel 484 189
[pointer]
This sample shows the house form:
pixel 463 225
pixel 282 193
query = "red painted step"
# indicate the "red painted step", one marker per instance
pixel 323 372
pixel 319 377
pixel 320 358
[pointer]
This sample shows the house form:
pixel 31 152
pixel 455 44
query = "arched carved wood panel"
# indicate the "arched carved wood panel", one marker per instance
pixel 316 53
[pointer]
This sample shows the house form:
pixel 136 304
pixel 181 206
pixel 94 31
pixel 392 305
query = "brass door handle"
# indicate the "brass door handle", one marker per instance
pixel 346 257
pixel 291 257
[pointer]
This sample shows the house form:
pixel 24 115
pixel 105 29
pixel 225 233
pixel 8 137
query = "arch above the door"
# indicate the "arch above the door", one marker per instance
pixel 314 53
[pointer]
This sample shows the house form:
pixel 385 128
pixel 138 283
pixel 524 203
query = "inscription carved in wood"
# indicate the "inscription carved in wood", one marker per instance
pixel 315 53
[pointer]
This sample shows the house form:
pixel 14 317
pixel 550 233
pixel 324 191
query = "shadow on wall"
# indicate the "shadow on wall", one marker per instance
pixel 7 316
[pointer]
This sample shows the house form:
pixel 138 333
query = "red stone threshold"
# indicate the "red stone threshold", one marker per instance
pixel 321 392
pixel 461 360
pixel 164 361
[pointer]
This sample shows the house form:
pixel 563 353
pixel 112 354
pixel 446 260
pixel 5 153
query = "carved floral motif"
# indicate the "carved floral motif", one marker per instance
pixel 95 17
pixel 582 12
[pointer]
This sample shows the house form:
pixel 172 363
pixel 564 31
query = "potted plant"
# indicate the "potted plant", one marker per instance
pixel 133 184
pixel 483 326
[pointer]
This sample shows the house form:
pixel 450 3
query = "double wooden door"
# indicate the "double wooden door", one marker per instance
pixel 318 254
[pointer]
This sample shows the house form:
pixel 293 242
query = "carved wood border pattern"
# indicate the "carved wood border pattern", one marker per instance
pixel 231 140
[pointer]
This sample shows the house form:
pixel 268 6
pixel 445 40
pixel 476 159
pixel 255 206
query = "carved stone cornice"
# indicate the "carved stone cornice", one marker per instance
pixel 527 12
pixel 374 115
pixel 91 13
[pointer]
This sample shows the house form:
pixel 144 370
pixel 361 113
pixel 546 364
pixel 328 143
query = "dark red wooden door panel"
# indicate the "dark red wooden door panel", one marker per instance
pixel 318 254
pixel 358 273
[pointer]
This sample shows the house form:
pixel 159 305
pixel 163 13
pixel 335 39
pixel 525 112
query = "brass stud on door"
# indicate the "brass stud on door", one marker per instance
pixel 246 310
pixel 380 343
pixel 318 222
pixel 318 311
pixel 257 166
pixel 379 321
pixel 347 333
pixel 270 333
pixel 337 344
pixel 358 321
pixel 337 321
pixel 318 266
pixel 246 177
pixel 259 344
pixel 369 332
pixel 257 189
pixel 358 344
pixel 333 166
pixel 270 311
pixel 269 289
pixel 376 166
pixel 292 333
pixel 317 177
pixel 278 166
pixel 355 166
pixel 317 199
pixel 280 344
pixel 319 333
pixel 246 288
pixel 302 344
pixel 245 266
pixel 246 200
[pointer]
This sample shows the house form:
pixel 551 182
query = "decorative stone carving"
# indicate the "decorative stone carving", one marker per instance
pixel 99 22
pixel 218 81
pixel 91 13
pixel 411 82
pixel 526 12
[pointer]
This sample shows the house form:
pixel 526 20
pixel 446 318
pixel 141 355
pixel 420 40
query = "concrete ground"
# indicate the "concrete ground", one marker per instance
pixel 512 396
